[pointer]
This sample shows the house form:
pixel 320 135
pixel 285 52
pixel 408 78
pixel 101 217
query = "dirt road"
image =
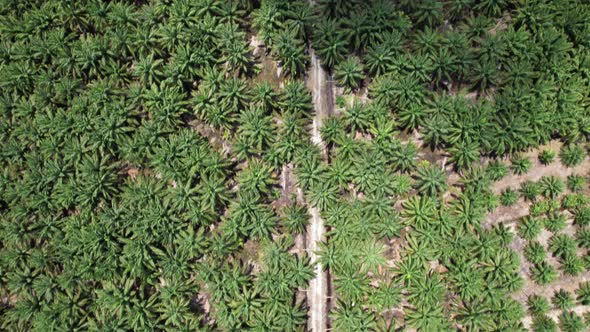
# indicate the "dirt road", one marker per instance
pixel 318 288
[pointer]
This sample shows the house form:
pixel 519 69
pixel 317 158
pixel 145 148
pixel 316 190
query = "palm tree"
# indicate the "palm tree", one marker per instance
pixel 546 157
pixel 485 75
pixel 572 155
pixel 296 99
pixel 330 42
pixel 290 51
pixel 534 252
pixel 562 245
pixel 444 65
pixel 351 286
pixel 214 192
pixel 265 96
pixel 530 190
pixel 543 323
pixel 412 117
pixel 256 129
pixel 419 210
pixel 372 256
pixel 404 158
pixel 351 317
pixel 551 186
pixel 430 181
pixel 296 218
pixel 323 195
pixel 426 290
pixel 349 73
pixel 475 316
pixel 257 179
pixel 575 182
pixel 427 318
pixel 378 59
pixel 570 321
pixel 491 7
pixel 356 117
pixel 543 273
pixel 428 12
pixel 237 57
pixel 148 70
pixel 529 228
pixel 98 178
pixel 464 154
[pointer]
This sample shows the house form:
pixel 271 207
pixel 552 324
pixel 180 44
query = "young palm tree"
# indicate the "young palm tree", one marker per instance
pixel 256 129
pixel 543 273
pixel 520 165
pixel 543 323
pixel 551 186
pixel 572 155
pixel 546 157
pixel 571 322
pixel 485 76
pixel 323 195
pixel 508 197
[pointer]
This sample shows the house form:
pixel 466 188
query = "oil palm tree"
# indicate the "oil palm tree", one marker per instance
pixel 349 73
pixel 350 317
pixel 430 181
pixel 290 51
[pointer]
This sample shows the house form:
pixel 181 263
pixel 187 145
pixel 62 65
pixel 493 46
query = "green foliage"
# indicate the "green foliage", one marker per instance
pixel 496 170
pixel 529 228
pixel 569 321
pixel 508 197
pixel 530 190
pixel 349 73
pixel 142 145
pixel 534 252
pixel 537 305
pixel 572 155
pixel 562 245
pixel 583 293
pixel 520 165
pixel 543 273
pixel 551 186
pixel 544 323
pixel 295 219
pixel 348 317
pixel 583 237
pixel 582 216
pixel 546 157
pixel 431 181
pixel 555 222
pixel 576 183
pixel 563 299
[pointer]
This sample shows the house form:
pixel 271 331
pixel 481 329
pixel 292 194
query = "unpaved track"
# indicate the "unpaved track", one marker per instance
pixel 318 287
